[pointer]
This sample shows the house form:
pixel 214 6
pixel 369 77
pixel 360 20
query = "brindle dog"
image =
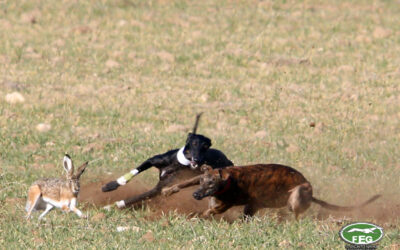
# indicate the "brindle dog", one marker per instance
pixel 257 186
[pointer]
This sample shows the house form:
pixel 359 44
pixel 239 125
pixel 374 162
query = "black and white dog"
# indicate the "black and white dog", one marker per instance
pixel 195 153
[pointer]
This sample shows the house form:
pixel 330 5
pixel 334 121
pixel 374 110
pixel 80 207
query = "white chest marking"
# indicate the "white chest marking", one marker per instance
pixel 181 157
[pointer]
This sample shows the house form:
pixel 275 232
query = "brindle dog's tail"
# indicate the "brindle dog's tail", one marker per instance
pixel 197 122
pixel 340 208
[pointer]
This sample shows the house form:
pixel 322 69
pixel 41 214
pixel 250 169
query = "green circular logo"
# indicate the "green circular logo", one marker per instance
pixel 361 233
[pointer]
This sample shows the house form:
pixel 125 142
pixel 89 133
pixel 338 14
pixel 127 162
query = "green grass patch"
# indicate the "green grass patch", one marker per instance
pixel 310 84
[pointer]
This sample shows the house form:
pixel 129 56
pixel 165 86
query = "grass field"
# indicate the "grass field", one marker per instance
pixel 310 84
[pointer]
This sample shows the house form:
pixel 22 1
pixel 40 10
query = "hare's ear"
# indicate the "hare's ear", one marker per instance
pixel 205 168
pixel 68 166
pixel 81 169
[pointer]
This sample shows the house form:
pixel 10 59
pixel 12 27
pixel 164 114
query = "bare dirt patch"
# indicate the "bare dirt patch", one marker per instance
pixel 91 193
pixel 385 210
pixel 181 203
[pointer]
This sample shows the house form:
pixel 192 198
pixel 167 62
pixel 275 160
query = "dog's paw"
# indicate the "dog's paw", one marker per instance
pixel 165 191
pixel 120 204
pixel 169 191
pixel 110 186
pixel 108 207
pixel 207 213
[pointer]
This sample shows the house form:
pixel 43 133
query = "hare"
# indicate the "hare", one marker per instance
pixel 53 192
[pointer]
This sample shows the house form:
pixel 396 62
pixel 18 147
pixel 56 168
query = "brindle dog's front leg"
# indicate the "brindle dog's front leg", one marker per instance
pixel 177 187
pixel 218 209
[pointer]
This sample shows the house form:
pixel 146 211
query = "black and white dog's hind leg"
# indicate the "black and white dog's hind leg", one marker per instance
pixel 158 161
pixel 146 195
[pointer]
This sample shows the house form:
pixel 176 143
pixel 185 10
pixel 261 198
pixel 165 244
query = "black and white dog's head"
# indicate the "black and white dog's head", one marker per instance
pixel 195 149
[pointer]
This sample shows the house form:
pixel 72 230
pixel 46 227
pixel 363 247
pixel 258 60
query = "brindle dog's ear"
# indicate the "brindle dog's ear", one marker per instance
pixel 205 168
pixel 223 175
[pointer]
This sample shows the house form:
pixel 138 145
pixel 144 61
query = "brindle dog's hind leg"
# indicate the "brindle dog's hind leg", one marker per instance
pixel 300 199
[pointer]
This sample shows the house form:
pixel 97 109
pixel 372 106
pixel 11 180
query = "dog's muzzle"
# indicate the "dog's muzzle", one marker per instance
pixel 193 165
pixel 195 162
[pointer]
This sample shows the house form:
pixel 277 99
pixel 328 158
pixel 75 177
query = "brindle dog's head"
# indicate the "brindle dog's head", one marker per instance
pixel 196 146
pixel 212 181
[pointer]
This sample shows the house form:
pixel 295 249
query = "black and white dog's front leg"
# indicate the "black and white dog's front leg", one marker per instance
pixel 157 161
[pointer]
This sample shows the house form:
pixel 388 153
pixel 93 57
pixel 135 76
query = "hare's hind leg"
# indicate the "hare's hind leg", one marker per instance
pixel 48 208
pixel 33 197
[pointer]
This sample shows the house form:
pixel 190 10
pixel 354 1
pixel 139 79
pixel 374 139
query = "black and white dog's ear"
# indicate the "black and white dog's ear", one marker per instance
pixel 209 143
pixel 189 137
pixel 206 142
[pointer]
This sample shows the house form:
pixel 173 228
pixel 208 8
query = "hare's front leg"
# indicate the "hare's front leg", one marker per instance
pixel 72 206
pixel 48 208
